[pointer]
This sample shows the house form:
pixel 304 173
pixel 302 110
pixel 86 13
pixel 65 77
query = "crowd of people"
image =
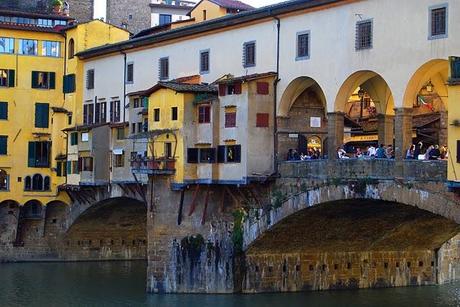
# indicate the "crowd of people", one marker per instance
pixel 415 152
pixel 312 154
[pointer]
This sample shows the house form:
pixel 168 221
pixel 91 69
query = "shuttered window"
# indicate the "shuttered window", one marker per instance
pixel 130 73
pixel 262 88
pixel 164 68
pixel 115 111
pixel 204 61
pixel 249 54
pixel 234 88
pixel 262 120
pixel 7 78
pixel 39 154
pixel 204 114
pixel 74 138
pixel 229 154
pixel 41 115
pixel 90 79
pixel 3 144
pixel 438 22
pixel 43 80
pixel 207 155
pixel 364 34
pixel 222 89
pixel 3 110
pixel 69 84
pixel 192 155
pixel 69 167
pixel 230 119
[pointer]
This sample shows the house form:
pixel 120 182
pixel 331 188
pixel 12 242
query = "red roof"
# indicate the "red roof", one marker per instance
pixel 28 27
pixel 233 4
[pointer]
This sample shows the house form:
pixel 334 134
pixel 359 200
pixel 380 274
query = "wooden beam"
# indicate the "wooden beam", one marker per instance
pixel 181 206
pixel 193 204
pixel 203 218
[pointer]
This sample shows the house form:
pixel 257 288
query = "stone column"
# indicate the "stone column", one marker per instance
pixel 335 126
pixel 403 131
pixel 443 125
pixel 385 129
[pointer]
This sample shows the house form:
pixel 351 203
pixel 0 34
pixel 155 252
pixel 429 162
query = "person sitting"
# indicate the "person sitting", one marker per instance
pixel 341 153
pixel 410 152
pixel 435 153
pixel 359 153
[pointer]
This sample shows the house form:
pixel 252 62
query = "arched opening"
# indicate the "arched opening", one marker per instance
pixel 27 183
pixel 46 184
pixel 37 182
pixel 9 213
pixel 4 180
pixel 367 105
pixel 112 229
pixel 71 49
pixel 427 95
pixel 30 224
pixel 349 244
pixel 302 122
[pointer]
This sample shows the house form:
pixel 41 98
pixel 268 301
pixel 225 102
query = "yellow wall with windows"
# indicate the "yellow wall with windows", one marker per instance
pixel 453 133
pixel 212 11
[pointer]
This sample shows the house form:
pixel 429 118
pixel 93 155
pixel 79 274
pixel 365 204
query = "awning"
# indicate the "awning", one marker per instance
pixel 117 151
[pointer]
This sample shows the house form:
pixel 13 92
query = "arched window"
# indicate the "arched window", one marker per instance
pixel 3 180
pixel 28 183
pixel 46 184
pixel 71 51
pixel 37 182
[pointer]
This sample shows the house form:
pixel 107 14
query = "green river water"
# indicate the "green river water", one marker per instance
pixel 123 284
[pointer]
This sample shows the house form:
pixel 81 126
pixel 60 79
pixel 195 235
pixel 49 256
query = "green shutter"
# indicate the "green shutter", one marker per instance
pixel 32 158
pixel 3 110
pixel 59 169
pixel 41 115
pixel 72 83
pixel 11 78
pixel 65 87
pixel 52 78
pixel 74 138
pixel 3 145
pixel 35 79
pixel 69 167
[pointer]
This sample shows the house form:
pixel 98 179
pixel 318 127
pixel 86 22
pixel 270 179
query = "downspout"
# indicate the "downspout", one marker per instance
pixel 65 61
pixel 275 96
pixel 124 85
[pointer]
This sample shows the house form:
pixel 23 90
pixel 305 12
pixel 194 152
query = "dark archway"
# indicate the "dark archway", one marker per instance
pixel 112 229
pixel 9 212
pixel 30 224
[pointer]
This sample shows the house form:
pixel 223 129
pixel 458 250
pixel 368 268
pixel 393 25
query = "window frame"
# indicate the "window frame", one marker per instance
pixel 174 113
pixel 21 47
pixel 128 80
pixel 205 71
pixel 358 39
pixel 245 57
pixel 160 16
pixel 206 119
pixel 430 21
pixel 307 56
pixel 4 139
pixel 156 115
pixel 90 81
pixel 4 105
pixel 161 62
pixel 46 44
pixel 10 40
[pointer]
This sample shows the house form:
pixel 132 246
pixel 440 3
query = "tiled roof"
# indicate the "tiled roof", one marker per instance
pixel 178 87
pixel 233 4
pixel 230 78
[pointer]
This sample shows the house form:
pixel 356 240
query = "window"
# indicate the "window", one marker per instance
pixel 43 80
pixel 234 88
pixel 145 102
pixel 3 110
pixel 51 49
pixel 164 68
pixel 204 114
pixel 37 183
pixel 207 155
pixel 136 103
pixel 86 164
pixel 204 62
pixel 303 45
pixel 41 115
pixel 192 155
pixel 84 136
pixel 145 125
pixel 133 128
pixel 165 19
pixel 6 45
pixel 230 119
pixel 7 77
pixel 168 150
pixel 39 154
pixel 115 111
pixel 262 120
pixel 454 68
pixel 4 181
pixel 61 168
pixel 88 113
pixel 120 133
pixel 156 115
pixel 68 84
pixel 27 47
pixel 130 73
pixel 74 138
pixel 438 22
pixel 249 54
pixel 75 167
pixel 119 160
pixel 100 112
pixel 262 88
pixel 173 113
pixel 90 79
pixel 71 51
pixel 204 15
pixel 3 144
pixel 229 154
pixel 364 35
pixel 139 127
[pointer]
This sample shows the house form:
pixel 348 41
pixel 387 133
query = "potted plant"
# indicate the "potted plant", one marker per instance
pixel 56 4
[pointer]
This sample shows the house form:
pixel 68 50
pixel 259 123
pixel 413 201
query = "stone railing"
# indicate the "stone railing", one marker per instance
pixel 382 169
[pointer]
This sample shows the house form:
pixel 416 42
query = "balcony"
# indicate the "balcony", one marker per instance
pixel 154 166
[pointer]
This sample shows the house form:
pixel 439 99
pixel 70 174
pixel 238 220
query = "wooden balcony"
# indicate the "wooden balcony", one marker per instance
pixel 154 166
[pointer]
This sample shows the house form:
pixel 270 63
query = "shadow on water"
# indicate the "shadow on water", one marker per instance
pixel 123 284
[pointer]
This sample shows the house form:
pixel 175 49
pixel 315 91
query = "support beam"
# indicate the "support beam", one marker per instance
pixel 403 131
pixel 385 129
pixel 335 126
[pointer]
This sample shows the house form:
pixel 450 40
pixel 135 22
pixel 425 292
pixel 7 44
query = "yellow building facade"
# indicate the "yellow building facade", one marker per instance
pixel 35 63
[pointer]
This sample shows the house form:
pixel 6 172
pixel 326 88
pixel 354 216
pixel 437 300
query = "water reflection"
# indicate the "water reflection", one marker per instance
pixel 123 283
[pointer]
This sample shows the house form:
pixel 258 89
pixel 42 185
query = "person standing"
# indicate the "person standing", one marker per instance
pixel 371 151
pixel 380 153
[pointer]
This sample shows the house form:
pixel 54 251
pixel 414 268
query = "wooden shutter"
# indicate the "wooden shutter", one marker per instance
pixel 3 145
pixel 3 110
pixel 192 155
pixel 230 119
pixel 59 169
pixel 80 164
pixel 262 120
pixel 52 80
pixel 11 78
pixel 237 153
pixel 222 89
pixel 31 155
pixel 35 79
pixel 262 88
pixel 237 87
pixel 221 154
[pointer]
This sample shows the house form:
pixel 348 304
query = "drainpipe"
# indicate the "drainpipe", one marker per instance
pixel 65 61
pixel 124 85
pixel 275 94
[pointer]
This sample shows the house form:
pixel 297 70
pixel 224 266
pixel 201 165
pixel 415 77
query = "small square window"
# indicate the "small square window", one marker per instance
pixel 262 120
pixel 230 119
pixel 364 35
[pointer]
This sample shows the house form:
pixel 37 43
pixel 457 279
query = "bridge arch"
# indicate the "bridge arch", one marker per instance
pixel 389 191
